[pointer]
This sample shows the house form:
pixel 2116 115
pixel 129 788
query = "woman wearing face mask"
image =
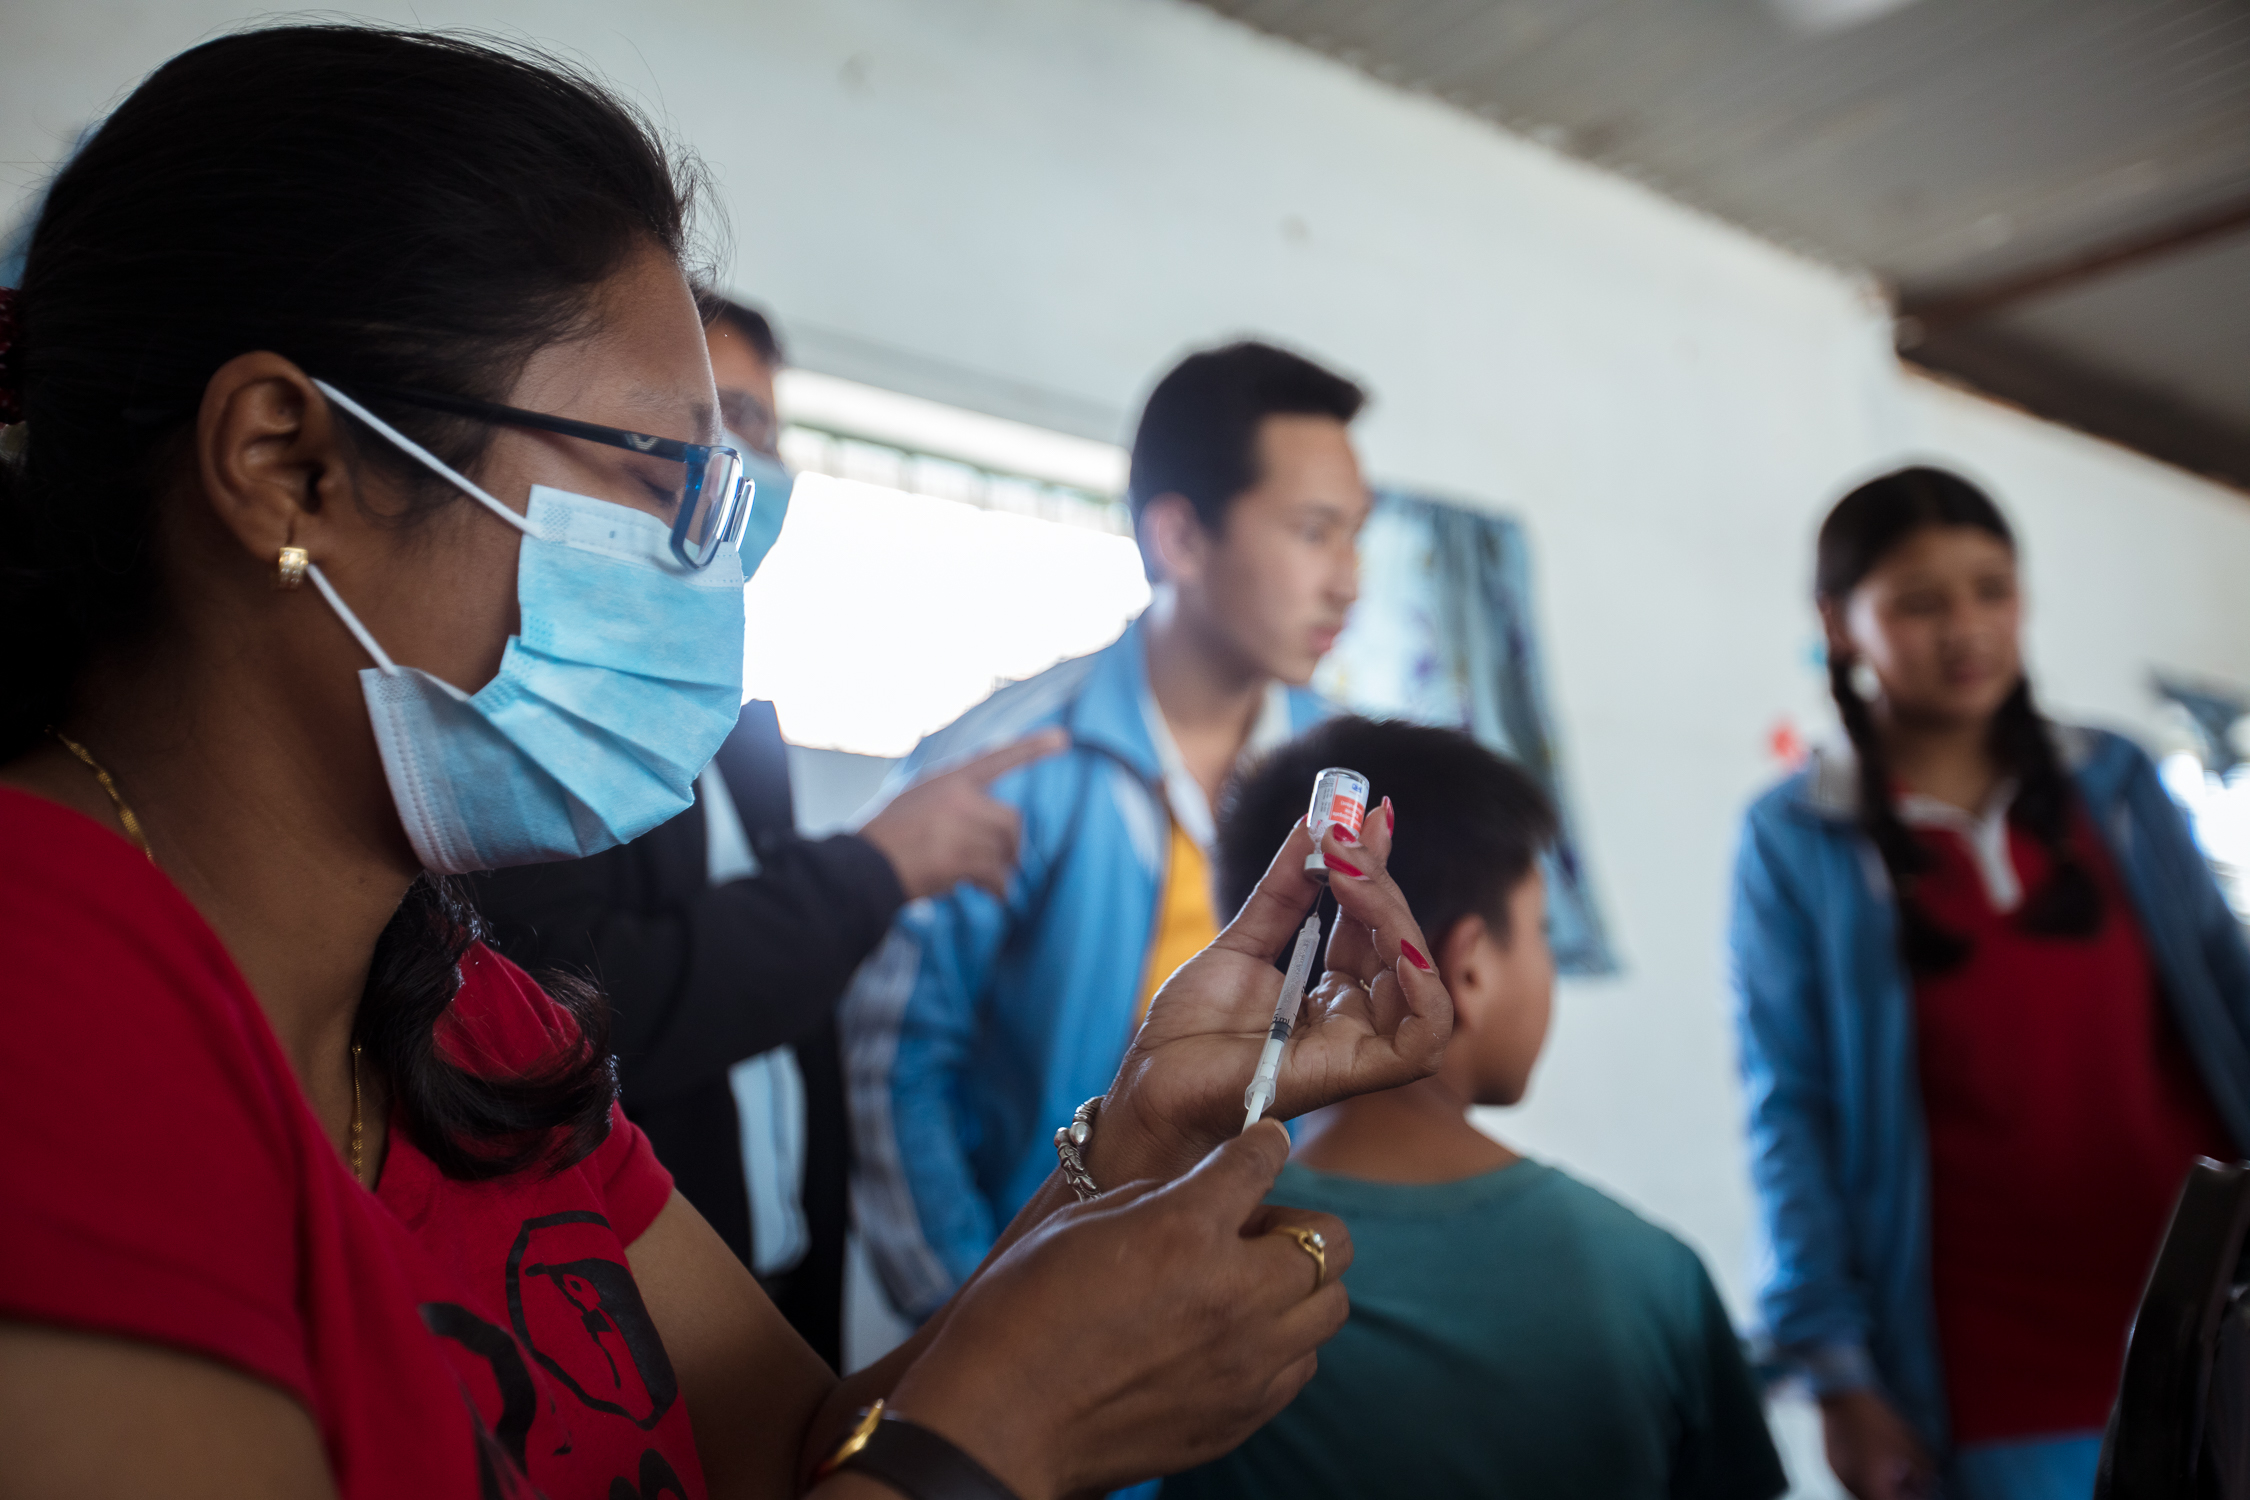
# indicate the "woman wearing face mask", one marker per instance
pixel 362 522
pixel 1991 1007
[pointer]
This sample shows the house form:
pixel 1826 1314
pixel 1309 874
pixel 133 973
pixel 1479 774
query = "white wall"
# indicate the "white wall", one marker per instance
pixel 1029 206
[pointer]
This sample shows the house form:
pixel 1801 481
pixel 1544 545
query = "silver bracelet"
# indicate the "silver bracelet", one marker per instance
pixel 1070 1146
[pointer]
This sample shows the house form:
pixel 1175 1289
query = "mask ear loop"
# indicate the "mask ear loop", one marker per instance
pixel 429 460
pixel 383 661
pixel 438 466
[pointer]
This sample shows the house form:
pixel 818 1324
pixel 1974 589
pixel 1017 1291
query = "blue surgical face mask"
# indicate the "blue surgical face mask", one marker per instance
pixel 769 505
pixel 622 683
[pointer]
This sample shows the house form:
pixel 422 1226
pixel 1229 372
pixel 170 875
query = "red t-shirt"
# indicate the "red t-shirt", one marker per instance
pixel 165 1180
pixel 2063 1114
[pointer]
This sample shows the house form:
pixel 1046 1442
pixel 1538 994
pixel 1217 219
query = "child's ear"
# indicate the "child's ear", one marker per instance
pixel 1464 964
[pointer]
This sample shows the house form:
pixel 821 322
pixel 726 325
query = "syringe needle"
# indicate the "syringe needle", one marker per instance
pixel 1260 1093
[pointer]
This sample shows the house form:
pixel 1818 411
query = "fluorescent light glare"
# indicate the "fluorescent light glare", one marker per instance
pixel 909 422
pixel 1821 17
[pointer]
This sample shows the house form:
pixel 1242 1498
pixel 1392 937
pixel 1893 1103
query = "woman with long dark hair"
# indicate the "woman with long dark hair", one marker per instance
pixel 1991 1007
pixel 363 520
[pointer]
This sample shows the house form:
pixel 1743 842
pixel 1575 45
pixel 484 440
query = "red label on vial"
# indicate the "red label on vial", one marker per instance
pixel 1339 801
pixel 1345 811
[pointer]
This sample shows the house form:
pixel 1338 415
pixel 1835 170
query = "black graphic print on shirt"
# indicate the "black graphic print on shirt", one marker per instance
pixel 519 1401
pixel 581 1316
pixel 500 1465
pixel 658 1479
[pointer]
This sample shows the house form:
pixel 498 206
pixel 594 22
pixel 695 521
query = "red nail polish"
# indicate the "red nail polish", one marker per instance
pixel 1344 835
pixel 1390 817
pixel 1413 955
pixel 1336 864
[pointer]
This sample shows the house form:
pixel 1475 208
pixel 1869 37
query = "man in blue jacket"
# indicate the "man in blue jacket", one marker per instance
pixel 982 1023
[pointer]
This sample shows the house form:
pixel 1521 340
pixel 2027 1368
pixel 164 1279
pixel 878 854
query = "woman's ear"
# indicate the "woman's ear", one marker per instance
pixel 1176 537
pixel 270 456
pixel 1834 630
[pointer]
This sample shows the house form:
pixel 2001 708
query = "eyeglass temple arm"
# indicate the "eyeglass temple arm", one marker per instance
pixel 513 416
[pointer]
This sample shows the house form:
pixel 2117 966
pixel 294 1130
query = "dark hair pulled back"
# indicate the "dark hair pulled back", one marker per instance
pixel 379 207
pixel 1864 528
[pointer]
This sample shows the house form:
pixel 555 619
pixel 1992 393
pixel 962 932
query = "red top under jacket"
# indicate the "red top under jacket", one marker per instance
pixel 2063 1114
pixel 164 1180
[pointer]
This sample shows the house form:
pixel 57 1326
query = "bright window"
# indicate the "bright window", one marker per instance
pixel 2219 808
pixel 931 554
pixel 2207 771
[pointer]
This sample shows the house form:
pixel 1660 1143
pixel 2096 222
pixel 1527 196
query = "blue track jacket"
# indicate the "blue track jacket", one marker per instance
pixel 1825 1016
pixel 977 1027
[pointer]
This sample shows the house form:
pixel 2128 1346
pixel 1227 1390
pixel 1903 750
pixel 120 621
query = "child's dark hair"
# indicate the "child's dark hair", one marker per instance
pixel 382 208
pixel 1472 823
pixel 1866 526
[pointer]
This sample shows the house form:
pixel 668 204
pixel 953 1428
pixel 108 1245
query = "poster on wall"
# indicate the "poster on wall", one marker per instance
pixel 1443 634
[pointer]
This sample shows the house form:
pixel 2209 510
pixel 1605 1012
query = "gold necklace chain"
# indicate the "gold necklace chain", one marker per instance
pixel 357 1175
pixel 116 798
pixel 132 825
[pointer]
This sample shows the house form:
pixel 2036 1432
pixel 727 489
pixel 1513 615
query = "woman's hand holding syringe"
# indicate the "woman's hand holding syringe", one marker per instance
pixel 1377 1017
pixel 1167 1147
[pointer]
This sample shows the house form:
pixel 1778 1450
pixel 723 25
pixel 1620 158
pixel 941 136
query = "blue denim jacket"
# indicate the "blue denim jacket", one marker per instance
pixel 1825 1019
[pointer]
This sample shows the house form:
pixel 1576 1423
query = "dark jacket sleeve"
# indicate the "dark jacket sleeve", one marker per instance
pixel 699 976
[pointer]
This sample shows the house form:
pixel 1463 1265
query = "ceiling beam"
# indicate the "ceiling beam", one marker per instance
pixel 2052 385
pixel 1920 318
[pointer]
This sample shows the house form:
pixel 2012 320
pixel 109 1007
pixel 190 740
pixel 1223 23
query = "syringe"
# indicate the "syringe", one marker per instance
pixel 1260 1092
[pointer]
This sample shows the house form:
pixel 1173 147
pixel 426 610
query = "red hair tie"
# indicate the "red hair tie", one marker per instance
pixel 11 377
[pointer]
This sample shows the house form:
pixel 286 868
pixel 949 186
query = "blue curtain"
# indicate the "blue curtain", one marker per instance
pixel 1443 634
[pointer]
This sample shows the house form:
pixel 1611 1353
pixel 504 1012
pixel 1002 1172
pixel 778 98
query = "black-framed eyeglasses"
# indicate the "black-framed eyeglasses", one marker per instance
pixel 714 494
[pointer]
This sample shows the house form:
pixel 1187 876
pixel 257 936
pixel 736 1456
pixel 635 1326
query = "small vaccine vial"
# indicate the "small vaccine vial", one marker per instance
pixel 1339 800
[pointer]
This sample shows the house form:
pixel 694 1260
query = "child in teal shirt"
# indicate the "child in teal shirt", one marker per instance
pixel 1513 1331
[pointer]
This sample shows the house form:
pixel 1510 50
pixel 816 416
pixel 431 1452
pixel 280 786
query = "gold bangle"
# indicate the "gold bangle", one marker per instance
pixel 862 1432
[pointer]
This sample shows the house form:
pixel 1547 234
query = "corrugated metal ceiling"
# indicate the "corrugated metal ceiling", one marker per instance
pixel 2062 187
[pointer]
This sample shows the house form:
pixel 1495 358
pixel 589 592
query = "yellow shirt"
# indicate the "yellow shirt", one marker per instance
pixel 1185 919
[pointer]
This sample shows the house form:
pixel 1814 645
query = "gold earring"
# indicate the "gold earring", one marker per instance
pixel 289 569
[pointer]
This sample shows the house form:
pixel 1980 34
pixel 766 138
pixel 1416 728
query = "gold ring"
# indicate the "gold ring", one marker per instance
pixel 1314 1244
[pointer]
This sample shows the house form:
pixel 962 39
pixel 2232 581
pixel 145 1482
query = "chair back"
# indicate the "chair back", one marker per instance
pixel 2181 1427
